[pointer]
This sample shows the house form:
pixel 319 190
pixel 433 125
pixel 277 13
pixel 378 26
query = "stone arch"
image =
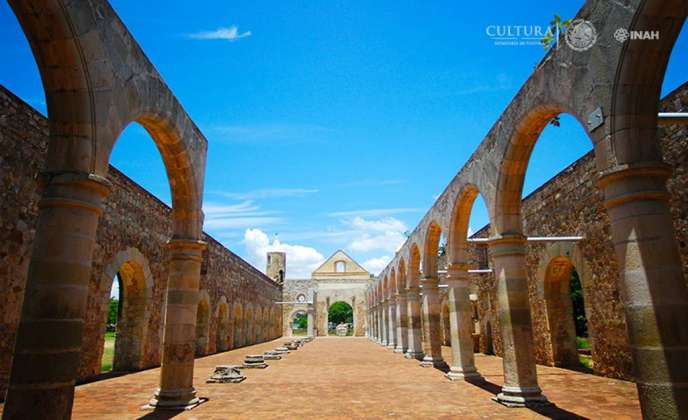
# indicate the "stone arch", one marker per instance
pixel 136 290
pixel 401 272
pixel 97 80
pixel 431 249
pixel 222 316
pixel 350 303
pixel 414 266
pixel 522 138
pixel 239 327
pixel 457 243
pixel 250 331
pixel 444 322
pixel 293 314
pixel 202 323
pixel 556 263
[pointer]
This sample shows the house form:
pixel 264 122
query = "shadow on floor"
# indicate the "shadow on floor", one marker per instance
pixel 159 414
pixel 551 410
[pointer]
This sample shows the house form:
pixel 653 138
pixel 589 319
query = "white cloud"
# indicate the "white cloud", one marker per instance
pixel 385 234
pixel 219 217
pixel 372 212
pixel 375 265
pixel 301 260
pixel 228 34
pixel 268 193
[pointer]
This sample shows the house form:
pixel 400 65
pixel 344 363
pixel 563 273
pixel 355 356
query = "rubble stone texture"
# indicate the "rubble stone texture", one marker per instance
pixel 131 239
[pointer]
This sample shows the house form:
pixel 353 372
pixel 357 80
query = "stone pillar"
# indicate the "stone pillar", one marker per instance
pixel 380 322
pixel 414 350
pixel 520 377
pixel 176 375
pixel 310 328
pixel 652 284
pixel 402 323
pixel 460 325
pixel 392 327
pixel 433 329
pixel 48 344
pixel 385 322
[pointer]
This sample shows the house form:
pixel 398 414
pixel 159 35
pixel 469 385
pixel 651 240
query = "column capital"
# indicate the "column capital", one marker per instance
pixel 643 181
pixel 507 244
pixel 429 281
pixel 74 189
pixel 457 274
pixel 190 249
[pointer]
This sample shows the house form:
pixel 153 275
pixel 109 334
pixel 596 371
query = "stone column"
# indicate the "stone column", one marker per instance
pixel 310 329
pixel 380 323
pixel 176 376
pixel 402 323
pixel 460 325
pixel 520 377
pixel 414 350
pixel 392 326
pixel 431 318
pixel 385 322
pixel 652 284
pixel 48 344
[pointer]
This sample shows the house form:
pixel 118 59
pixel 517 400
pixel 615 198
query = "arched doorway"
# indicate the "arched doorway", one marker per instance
pixel 127 311
pixel 446 330
pixel 202 324
pixel 340 313
pixel 238 339
pixel 221 343
pixel 566 320
pixel 298 323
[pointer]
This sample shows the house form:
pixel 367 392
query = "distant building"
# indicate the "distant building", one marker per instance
pixel 339 279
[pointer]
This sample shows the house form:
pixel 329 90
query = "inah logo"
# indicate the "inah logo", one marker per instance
pixel 581 35
pixel 622 35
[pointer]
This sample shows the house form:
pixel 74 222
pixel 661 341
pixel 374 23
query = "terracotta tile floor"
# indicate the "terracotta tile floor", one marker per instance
pixel 353 377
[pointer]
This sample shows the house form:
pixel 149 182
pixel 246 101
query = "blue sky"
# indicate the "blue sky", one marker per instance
pixel 332 124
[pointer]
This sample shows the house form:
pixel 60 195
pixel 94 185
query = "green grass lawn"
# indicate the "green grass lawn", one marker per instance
pixel 108 352
pixel 299 331
pixel 584 343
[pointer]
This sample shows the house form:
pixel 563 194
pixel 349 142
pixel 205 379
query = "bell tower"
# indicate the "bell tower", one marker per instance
pixel 277 266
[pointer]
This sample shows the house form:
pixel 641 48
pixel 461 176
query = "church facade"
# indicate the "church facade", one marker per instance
pixel 339 279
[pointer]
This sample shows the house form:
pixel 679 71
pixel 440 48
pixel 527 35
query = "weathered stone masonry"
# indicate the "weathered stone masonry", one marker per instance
pixel 131 236
pixel 570 204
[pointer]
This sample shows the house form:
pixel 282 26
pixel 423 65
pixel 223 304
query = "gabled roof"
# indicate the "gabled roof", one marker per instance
pixel 352 268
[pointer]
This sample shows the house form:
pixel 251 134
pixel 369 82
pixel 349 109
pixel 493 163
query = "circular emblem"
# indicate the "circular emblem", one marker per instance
pixel 581 35
pixel 301 298
pixel 621 35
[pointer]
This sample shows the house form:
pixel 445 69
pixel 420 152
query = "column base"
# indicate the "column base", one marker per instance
pixel 185 399
pixel 418 355
pixel 390 346
pixel 515 396
pixel 399 349
pixel 429 361
pixel 460 374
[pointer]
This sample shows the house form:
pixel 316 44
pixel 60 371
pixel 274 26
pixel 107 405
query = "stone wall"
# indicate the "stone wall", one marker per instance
pixel 131 241
pixel 570 204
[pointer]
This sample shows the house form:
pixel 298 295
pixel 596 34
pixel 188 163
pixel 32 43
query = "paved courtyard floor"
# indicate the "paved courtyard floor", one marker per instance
pixel 352 377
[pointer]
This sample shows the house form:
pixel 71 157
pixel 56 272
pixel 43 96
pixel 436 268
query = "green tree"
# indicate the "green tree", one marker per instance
pixel 578 305
pixel 340 313
pixel 112 311
pixel 301 321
